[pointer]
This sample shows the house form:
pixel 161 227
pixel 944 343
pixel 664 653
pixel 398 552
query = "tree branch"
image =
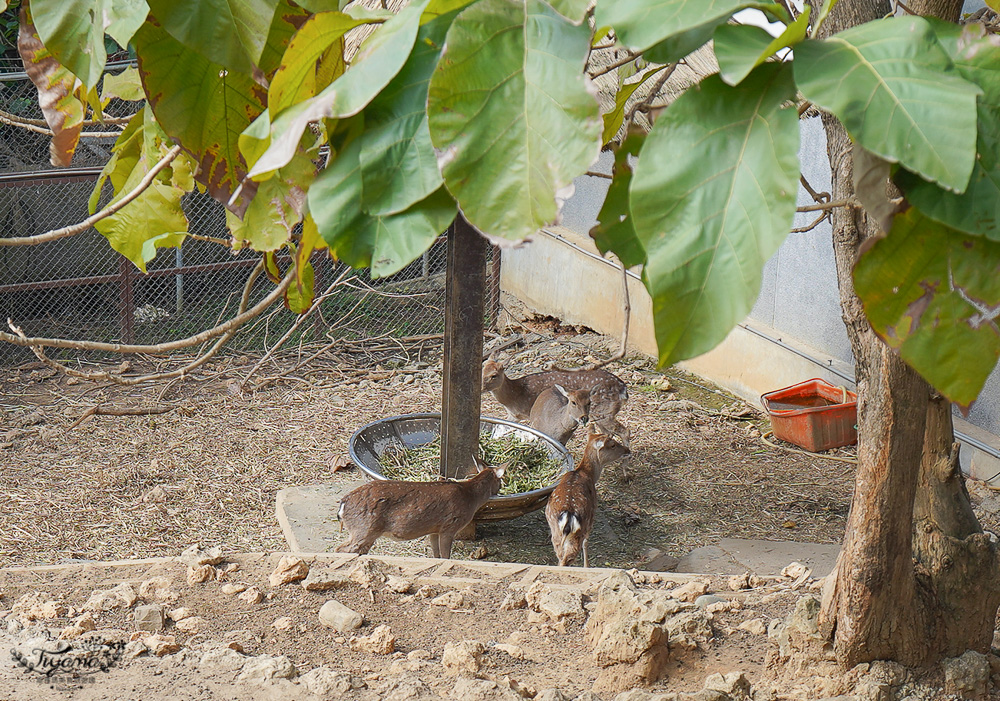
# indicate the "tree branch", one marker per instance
pixel 617 64
pixel 849 202
pixel 74 229
pixel 810 227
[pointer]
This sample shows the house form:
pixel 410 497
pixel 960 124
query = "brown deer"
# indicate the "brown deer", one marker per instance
pixel 607 392
pixel 408 510
pixel 571 506
pixel 558 412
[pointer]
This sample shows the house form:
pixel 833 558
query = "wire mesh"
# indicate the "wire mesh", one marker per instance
pixel 80 288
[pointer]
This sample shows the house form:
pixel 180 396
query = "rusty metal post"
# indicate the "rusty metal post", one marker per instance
pixel 463 348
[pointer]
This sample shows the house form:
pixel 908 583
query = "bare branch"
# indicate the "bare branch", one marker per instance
pixel 100 410
pixel 617 64
pixel 849 202
pixel 810 227
pixel 817 196
pixel 15 120
pixel 595 174
pixel 647 104
pixel 74 229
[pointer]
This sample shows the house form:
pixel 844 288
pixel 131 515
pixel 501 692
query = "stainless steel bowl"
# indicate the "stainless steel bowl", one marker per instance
pixel 368 444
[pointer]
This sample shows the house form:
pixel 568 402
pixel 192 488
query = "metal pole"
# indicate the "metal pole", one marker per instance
pixel 179 279
pixel 463 348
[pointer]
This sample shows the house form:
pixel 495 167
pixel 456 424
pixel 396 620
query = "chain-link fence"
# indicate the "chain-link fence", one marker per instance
pixel 80 288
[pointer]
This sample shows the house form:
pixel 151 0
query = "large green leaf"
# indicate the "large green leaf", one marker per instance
pixel 230 33
pixel 295 79
pixel 614 230
pixel 125 85
pixel 712 199
pixel 898 94
pixel 741 48
pixel 512 114
pixel 203 106
pixel 933 293
pixel 155 218
pixel 398 164
pixel 573 10
pixel 977 210
pixel 376 63
pixel 62 108
pixel 73 30
pixel 642 24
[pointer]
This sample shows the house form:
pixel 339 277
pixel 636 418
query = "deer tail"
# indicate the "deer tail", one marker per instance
pixel 568 522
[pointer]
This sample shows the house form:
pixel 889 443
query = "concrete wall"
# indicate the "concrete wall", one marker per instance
pixel 794 332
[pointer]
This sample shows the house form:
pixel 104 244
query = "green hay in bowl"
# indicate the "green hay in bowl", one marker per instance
pixel 530 464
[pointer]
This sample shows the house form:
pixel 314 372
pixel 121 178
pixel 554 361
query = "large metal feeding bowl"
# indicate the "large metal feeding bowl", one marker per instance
pixel 370 442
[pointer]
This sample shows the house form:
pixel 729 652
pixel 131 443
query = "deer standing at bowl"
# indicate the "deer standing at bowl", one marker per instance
pixel 407 510
pixel 571 506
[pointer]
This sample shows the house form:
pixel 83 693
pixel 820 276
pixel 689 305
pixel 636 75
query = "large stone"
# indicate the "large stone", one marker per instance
pixel 334 614
pixel 967 676
pixel 289 569
pixel 371 574
pixel 800 629
pixel 158 589
pixel 407 688
pixel 695 625
pixel 38 606
pixel 160 645
pixel 200 574
pixel 462 658
pixel 120 596
pixel 450 599
pixel 265 667
pixel 556 604
pixel 326 683
pixel 150 617
pixel 191 624
pixel 690 591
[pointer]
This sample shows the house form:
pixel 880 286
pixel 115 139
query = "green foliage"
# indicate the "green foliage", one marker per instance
pixel 708 225
pixel 933 293
pixel 896 91
pixel 511 114
pixel 484 107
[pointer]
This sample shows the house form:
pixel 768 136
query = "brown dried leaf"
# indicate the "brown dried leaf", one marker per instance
pixel 341 462
pixel 62 109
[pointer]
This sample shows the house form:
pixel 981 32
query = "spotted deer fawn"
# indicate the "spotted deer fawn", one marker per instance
pixel 408 510
pixel 607 392
pixel 571 506
pixel 557 412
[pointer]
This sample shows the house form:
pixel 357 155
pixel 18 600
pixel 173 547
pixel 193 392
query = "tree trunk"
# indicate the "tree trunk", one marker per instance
pixel 916 577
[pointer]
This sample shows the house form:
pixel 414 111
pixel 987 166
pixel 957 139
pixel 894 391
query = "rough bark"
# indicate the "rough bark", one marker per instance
pixel 910 499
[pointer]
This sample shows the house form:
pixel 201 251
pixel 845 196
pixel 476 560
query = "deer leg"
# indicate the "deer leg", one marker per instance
pixel 434 540
pixel 446 540
pixel 586 560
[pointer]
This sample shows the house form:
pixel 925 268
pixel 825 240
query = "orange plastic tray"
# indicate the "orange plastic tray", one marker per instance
pixel 814 428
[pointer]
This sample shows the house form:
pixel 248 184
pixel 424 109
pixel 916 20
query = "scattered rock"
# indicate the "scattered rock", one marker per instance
pixel 551 695
pixel 150 617
pixel 687 626
pixel 179 614
pixel 734 686
pixel 371 574
pixel 704 600
pixel 231 589
pixel 407 688
pixel 967 676
pixel 253 595
pixel 514 651
pixel 327 683
pixel 800 630
pixel 38 606
pixel 289 569
pixel 194 556
pixel 754 626
pixel 158 589
pixel 451 599
pixel 324 579
pixel 690 591
pixel 334 614
pixel 655 560
pixel 877 680
pixel 398 584
pixel 739 581
pixel 134 648
pixel 462 658
pixel 81 625
pixel 100 601
pixel 190 624
pixel 223 659
pixel 380 642
pixel 513 601
pixel 283 623
pixel 556 604
pixel 200 574
pixel 483 690
pixel 160 644
pixel 265 667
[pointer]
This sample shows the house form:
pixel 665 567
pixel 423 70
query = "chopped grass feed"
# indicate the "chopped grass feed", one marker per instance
pixel 530 464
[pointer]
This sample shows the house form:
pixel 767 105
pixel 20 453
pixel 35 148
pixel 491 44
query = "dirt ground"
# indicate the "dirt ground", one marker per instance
pixel 207 469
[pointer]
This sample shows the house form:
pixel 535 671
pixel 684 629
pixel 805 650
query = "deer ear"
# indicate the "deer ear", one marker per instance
pixel 561 390
pixel 601 442
pixel 500 470
pixel 593 429
pixel 480 465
